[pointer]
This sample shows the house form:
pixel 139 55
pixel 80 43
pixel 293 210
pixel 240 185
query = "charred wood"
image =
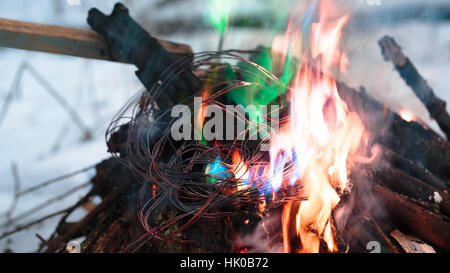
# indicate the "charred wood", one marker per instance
pixel 401 183
pixel 414 218
pixel 129 42
pixel 367 236
pixel 412 168
pixel 111 182
pixel 408 139
pixel 435 106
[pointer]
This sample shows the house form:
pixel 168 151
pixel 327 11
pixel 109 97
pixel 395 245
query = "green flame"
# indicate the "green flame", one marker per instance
pixel 258 93
pixel 217 14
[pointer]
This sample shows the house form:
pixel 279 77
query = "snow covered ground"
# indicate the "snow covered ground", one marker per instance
pixel 42 140
pixel 37 134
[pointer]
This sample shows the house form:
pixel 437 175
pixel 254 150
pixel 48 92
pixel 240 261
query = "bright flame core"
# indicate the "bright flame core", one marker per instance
pixel 318 145
pixel 407 115
pixel 319 138
pixel 318 141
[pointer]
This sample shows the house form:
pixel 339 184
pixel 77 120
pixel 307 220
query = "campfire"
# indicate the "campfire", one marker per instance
pixel 264 151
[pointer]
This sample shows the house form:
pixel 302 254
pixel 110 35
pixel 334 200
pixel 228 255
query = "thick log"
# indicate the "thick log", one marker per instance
pixel 435 106
pixel 401 183
pixel 412 141
pixel 66 40
pixel 409 139
pixel 412 168
pixel 413 218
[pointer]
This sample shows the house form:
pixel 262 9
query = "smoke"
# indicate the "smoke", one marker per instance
pixel 266 236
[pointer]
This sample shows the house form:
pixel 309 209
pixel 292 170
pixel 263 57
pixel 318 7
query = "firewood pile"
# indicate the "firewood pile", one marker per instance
pixel 399 202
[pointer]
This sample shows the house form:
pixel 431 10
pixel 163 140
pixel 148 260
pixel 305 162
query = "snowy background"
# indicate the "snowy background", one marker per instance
pixel 42 140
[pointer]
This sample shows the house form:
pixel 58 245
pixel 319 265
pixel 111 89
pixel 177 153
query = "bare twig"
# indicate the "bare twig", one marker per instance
pixel 60 137
pixel 61 101
pixel 25 226
pixel 90 88
pixel 43 241
pixel 15 201
pixel 13 89
pixel 48 202
pixel 66 211
pixel 54 180
pixel 51 90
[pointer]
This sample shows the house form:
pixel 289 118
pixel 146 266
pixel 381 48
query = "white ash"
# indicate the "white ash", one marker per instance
pixel 437 197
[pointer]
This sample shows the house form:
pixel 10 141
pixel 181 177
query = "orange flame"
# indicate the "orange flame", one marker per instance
pixel 239 169
pixel 320 138
pixel 201 113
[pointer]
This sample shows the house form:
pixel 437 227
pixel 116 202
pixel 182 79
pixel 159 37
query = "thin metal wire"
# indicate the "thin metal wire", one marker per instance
pixel 173 172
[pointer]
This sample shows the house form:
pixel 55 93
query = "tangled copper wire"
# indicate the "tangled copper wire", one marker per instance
pixel 173 172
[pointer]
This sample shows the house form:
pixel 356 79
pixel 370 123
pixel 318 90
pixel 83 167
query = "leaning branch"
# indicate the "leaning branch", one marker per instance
pixel 435 106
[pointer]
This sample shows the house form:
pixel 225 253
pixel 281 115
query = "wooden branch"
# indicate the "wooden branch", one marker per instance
pixel 111 234
pixel 157 67
pixel 435 106
pixel 64 40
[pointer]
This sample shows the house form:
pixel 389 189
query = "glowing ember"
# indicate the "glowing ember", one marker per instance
pixel 407 115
